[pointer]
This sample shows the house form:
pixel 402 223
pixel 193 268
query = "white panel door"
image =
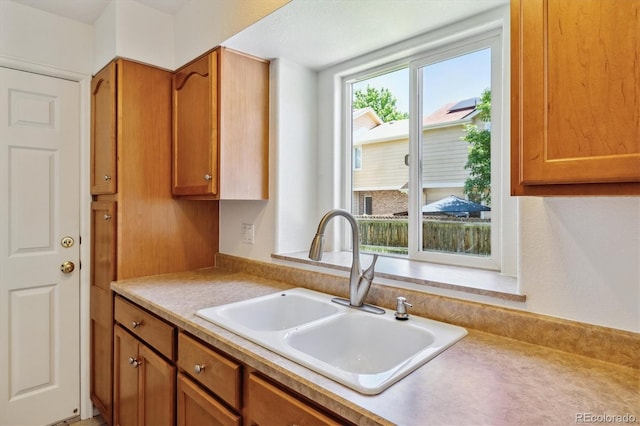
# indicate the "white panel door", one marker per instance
pixel 39 207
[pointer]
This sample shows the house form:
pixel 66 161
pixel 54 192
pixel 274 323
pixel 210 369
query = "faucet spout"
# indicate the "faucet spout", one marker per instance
pixel 359 282
pixel 364 283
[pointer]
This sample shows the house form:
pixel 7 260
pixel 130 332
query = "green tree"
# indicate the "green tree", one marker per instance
pixel 478 184
pixel 382 101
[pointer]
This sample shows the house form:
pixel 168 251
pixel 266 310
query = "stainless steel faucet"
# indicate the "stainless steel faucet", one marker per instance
pixel 359 281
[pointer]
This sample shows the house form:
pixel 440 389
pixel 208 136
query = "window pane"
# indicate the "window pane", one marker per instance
pixel 456 168
pixel 357 157
pixel 380 126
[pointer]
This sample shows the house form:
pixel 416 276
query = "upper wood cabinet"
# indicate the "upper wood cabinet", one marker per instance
pixel 221 127
pixel 103 131
pixel 575 106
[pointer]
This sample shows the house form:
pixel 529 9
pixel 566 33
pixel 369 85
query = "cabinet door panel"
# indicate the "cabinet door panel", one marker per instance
pixel 126 387
pixel 576 96
pixel 157 383
pixel 197 407
pixel 269 405
pixel 103 253
pixel 195 127
pixel 101 351
pixel 103 131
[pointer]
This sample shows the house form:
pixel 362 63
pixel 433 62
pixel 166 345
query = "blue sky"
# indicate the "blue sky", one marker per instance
pixel 452 80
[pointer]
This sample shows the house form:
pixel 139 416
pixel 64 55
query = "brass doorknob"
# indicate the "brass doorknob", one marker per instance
pixel 67 267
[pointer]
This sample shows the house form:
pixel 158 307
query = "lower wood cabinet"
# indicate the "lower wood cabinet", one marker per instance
pixel 163 376
pixel 217 373
pixel 144 383
pixel 144 379
pixel 101 351
pixel 197 407
pixel 270 405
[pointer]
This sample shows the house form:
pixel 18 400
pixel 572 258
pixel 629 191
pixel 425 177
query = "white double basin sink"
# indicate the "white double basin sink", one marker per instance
pixel 361 350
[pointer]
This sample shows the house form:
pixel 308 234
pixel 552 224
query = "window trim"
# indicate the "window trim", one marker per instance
pixel 504 239
pixel 357 166
pixel 364 203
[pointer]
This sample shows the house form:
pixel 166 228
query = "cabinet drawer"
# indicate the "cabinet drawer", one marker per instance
pixel 152 330
pixel 197 407
pixel 269 405
pixel 217 373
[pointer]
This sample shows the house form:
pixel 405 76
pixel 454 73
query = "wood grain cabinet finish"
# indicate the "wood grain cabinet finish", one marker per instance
pixel 148 231
pixel 575 97
pixel 145 326
pixel 197 407
pixel 206 386
pixel 221 127
pixel 270 405
pixel 103 237
pixel 216 372
pixel 144 383
pixel 103 131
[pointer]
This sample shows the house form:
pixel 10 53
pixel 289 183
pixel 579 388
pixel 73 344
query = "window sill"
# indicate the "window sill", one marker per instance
pixel 467 280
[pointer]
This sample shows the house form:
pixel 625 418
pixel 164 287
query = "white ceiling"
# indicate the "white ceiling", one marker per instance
pixel 320 33
pixel 313 33
pixel 88 11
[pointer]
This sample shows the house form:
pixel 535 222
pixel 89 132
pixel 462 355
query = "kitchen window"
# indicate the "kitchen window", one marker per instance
pixel 429 152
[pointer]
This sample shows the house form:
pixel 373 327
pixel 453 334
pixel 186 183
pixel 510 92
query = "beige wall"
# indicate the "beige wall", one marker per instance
pixel 382 166
pixel 444 157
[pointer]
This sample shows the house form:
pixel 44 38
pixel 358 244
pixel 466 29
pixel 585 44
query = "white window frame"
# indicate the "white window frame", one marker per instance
pixel 364 203
pixel 357 166
pixel 503 232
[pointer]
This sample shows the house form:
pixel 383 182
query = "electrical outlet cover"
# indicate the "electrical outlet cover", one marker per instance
pixel 247 233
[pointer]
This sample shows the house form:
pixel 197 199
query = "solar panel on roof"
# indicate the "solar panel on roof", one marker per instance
pixel 465 104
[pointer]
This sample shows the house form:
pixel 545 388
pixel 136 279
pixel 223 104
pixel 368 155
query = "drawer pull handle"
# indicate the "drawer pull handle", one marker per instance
pixel 107 216
pixel 208 177
pixel 136 324
pixel 134 362
pixel 199 368
pixel 107 178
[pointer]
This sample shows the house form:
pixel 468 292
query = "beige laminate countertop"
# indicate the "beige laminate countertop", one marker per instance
pixel 482 379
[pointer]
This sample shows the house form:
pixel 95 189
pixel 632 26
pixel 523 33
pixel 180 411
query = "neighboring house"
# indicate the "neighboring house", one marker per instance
pixel 380 173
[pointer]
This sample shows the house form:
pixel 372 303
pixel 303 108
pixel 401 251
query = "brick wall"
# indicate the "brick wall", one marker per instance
pixel 384 202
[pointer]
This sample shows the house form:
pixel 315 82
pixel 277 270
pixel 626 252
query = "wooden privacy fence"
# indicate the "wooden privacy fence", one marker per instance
pixel 452 235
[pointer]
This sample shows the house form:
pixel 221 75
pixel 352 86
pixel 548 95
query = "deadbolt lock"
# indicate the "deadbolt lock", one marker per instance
pixel 67 267
pixel 66 242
